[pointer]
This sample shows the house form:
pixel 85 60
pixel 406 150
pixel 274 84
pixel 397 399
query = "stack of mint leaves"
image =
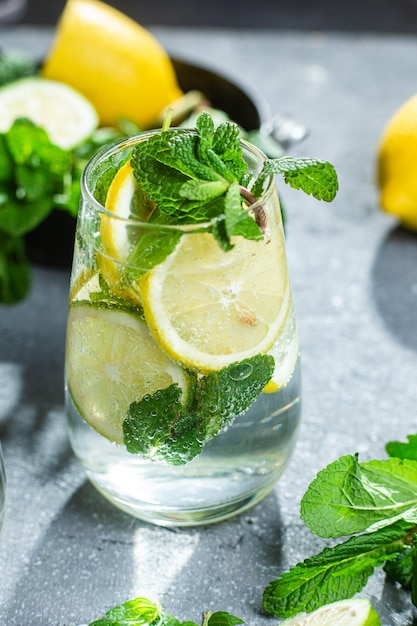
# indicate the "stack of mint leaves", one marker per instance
pixel 374 503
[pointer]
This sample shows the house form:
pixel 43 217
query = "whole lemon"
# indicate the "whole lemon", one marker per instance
pixel 397 165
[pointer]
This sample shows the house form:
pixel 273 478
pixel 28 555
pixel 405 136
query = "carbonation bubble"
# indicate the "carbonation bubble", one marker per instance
pixel 239 372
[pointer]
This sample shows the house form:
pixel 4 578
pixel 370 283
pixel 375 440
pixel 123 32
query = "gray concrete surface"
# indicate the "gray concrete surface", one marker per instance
pixel 66 555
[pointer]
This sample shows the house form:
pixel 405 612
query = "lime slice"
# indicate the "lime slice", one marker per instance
pixel 358 612
pixel 112 361
pixel 207 308
pixel 65 114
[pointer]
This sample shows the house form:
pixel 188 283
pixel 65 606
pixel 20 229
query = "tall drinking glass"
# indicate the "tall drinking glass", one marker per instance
pixel 182 358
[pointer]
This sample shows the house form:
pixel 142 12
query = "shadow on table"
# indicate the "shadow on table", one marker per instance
pixel 394 284
pixel 93 556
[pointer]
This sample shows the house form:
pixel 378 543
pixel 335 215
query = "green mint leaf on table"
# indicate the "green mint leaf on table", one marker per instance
pixel 143 612
pixel 336 573
pixel 137 612
pixel 349 497
pixel 403 450
pixel 161 428
pixel 222 618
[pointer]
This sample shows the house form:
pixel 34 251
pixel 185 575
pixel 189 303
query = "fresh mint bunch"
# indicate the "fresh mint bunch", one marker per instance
pixel 375 503
pixel 143 612
pixel 161 428
pixel 36 177
pixel 202 177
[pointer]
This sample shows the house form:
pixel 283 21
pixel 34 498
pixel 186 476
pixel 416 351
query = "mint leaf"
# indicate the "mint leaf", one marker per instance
pixel 143 612
pixel 238 222
pixel 18 217
pixel 222 618
pixel 349 497
pixel 6 162
pixel 314 177
pixel 14 269
pixel 403 450
pixel 336 573
pixel 401 568
pixel 160 427
pixel 223 395
pixel 137 612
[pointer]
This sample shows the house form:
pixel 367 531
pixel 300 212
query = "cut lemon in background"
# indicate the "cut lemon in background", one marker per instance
pixel 208 309
pixel 343 613
pixel 396 165
pixel 112 361
pixel 116 63
pixel 121 202
pixel 65 114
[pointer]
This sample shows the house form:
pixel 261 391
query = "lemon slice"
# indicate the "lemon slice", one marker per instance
pixel 116 63
pixel 207 308
pixel 65 114
pixel 112 361
pixel 123 202
pixel 358 612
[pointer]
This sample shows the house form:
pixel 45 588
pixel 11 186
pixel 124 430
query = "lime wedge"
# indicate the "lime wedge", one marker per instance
pixel 67 116
pixel 359 612
pixel 112 361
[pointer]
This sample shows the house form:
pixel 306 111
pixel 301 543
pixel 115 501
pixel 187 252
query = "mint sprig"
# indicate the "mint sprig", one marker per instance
pixel 194 178
pixel 334 574
pixel 36 177
pixel 350 497
pixel 160 427
pixel 376 503
pixel 144 612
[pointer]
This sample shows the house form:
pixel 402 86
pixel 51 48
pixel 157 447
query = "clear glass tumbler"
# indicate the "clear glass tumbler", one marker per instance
pixel 182 358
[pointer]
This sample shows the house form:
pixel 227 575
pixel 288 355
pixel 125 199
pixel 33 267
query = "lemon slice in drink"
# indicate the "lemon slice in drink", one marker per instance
pixel 122 201
pixel 359 612
pixel 112 361
pixel 208 308
pixel 65 114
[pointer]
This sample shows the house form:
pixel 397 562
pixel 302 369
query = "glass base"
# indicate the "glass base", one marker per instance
pixel 190 517
pixel 233 472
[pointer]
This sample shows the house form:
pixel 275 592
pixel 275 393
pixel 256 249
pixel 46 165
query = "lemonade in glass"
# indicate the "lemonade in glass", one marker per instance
pixel 182 358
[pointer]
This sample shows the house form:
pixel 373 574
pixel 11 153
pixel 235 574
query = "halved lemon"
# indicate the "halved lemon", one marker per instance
pixel 112 361
pixel 116 63
pixel 67 116
pixel 207 308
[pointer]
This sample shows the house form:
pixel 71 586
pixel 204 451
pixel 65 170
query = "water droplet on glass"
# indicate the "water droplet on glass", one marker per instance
pixel 242 371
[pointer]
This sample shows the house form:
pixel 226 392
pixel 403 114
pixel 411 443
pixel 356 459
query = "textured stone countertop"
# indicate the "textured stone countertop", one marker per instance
pixel 66 555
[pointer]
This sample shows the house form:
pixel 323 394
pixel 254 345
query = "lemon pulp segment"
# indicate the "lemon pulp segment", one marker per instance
pixel 207 308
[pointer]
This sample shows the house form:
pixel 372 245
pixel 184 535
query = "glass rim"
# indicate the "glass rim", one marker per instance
pixel 108 150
